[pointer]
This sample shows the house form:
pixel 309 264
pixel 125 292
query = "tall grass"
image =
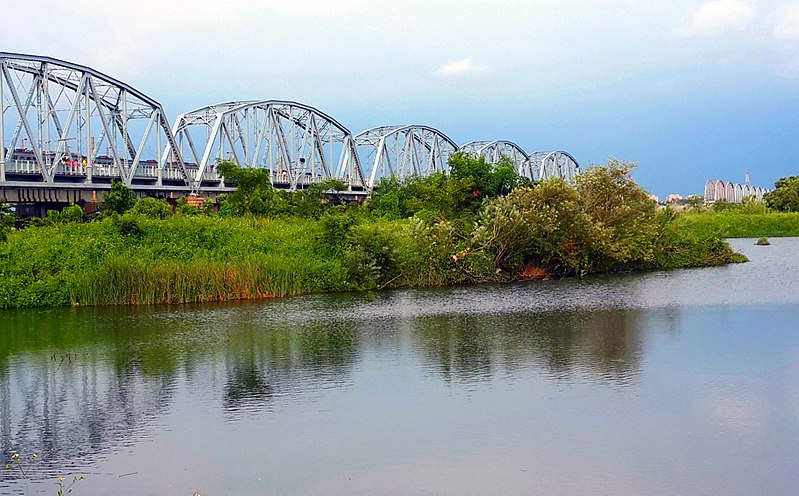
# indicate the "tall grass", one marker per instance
pixel 177 260
pixel 741 225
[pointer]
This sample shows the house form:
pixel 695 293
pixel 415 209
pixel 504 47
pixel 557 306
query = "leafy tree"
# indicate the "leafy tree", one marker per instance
pixel 119 200
pixel 437 195
pixel 156 208
pixel 254 193
pixel 489 181
pixel 785 198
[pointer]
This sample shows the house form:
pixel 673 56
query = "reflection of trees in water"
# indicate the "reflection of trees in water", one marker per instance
pixel 260 364
pixel 606 345
pixel 74 408
pixel 97 392
pixel 81 384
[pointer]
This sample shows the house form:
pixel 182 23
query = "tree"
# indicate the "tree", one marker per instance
pixel 785 198
pixel 119 200
pixel 489 181
pixel 156 208
pixel 254 193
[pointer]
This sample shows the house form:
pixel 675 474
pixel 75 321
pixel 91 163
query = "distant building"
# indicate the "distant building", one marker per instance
pixel 731 192
pixel 674 198
pixel 654 198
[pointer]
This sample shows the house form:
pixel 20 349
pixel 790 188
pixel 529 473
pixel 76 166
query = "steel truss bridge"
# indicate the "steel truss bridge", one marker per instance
pixel 68 130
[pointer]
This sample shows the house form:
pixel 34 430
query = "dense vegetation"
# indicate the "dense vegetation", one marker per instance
pixel 785 197
pixel 776 215
pixel 478 224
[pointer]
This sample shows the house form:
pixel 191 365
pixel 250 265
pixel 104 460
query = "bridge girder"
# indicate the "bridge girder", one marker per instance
pixel 493 151
pixel 555 163
pixel 69 113
pixel 297 143
pixel 404 150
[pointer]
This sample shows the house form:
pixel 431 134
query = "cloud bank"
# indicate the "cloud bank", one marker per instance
pixel 718 17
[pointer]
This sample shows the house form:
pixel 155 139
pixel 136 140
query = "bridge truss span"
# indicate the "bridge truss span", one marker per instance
pixel 494 151
pixel 402 151
pixel 296 143
pixel 556 163
pixel 67 123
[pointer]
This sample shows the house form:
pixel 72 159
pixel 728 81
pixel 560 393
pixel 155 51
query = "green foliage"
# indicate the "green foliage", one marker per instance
pixel 119 200
pixel 737 224
pixel 489 181
pixel 7 220
pixel 785 198
pixel 623 216
pixel 544 226
pixel 763 242
pixel 416 232
pixel 155 208
pixel 70 214
pixel 254 193
pixel 680 246
pixel 722 205
pixel 437 195
pixel 183 207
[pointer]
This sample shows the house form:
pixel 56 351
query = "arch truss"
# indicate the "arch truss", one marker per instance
pixel 66 123
pixel 297 144
pixel 557 163
pixel 493 151
pixel 402 151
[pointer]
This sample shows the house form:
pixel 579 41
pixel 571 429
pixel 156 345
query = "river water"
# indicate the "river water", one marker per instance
pixel 681 382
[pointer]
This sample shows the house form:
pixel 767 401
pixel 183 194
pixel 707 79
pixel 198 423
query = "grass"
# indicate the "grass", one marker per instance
pixel 742 225
pixel 177 260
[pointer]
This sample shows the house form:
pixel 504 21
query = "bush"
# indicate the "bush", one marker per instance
pixel 119 200
pixel 623 215
pixel 543 225
pixel 154 208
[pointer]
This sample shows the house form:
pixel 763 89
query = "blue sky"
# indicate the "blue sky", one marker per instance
pixel 689 90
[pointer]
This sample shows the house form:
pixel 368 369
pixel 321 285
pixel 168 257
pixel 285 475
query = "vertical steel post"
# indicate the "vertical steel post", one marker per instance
pixel 88 133
pixel 2 124
pixel 160 164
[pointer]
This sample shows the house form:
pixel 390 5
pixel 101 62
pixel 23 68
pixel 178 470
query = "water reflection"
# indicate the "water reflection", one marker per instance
pixel 260 364
pixel 604 345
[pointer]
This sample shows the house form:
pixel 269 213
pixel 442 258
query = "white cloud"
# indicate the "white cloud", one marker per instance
pixel 719 16
pixel 788 25
pixel 459 68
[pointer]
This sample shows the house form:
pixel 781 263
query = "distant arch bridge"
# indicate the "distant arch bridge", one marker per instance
pixel 68 130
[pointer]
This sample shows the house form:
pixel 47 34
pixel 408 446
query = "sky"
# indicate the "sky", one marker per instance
pixel 689 90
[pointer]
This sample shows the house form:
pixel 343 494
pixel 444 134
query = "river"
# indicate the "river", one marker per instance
pixel 680 382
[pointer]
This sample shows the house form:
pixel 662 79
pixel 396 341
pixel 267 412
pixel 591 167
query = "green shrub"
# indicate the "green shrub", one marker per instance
pixel 119 200
pixel 155 208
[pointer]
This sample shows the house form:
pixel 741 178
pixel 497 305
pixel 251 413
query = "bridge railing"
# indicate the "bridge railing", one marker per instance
pixel 31 168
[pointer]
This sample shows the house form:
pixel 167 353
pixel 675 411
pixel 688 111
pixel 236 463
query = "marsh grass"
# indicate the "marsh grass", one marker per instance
pixel 742 225
pixel 136 260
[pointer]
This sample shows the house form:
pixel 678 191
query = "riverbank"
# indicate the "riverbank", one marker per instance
pixel 480 223
pixel 139 260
